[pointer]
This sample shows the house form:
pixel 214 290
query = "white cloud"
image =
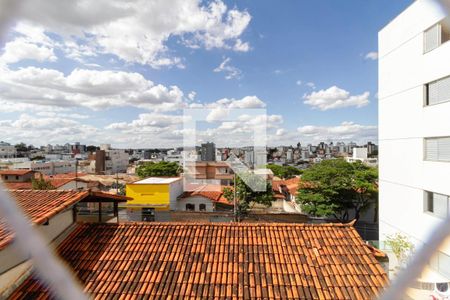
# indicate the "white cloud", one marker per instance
pixel 191 95
pixel 346 131
pixel 20 49
pixel 372 55
pixel 138 31
pixel 230 71
pixel 311 85
pixel 32 129
pixel 335 97
pixel 149 120
pixel 246 102
pixel 86 88
pixel 280 132
pixel 298 82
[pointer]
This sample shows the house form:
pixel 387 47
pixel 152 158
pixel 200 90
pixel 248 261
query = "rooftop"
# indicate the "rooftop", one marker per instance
pixel 39 206
pixel 212 192
pixel 15 172
pixel 246 261
pixel 157 180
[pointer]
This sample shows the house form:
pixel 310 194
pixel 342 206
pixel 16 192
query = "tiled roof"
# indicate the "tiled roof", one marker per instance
pixel 286 185
pixel 292 185
pixel 218 261
pixel 15 172
pixel 18 185
pixel 39 206
pixel 211 192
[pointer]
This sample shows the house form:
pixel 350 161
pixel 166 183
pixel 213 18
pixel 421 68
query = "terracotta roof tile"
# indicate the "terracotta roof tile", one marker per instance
pixel 213 261
pixel 212 192
pixel 15 172
pixel 39 206
pixel 17 185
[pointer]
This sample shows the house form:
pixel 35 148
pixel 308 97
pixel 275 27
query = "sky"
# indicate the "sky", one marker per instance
pixel 128 73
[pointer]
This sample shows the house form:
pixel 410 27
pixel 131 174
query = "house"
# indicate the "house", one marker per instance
pixel 53 213
pixel 285 192
pixel 207 198
pixel 14 176
pixel 414 131
pixel 217 261
pixel 199 171
pixel 153 197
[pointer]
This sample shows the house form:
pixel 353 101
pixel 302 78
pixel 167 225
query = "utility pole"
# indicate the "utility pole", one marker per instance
pixel 117 183
pixel 76 174
pixel 234 198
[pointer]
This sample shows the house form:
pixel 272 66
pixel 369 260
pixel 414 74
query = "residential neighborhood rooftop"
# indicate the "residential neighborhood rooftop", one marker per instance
pixel 220 261
pixel 39 206
pixel 15 172
pixel 157 180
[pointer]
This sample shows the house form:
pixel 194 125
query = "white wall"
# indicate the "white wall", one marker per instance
pixel 196 200
pixel 404 122
pixel 10 257
pixel 176 189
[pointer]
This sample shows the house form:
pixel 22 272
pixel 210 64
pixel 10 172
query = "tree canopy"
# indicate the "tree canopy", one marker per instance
pixel 41 184
pixel 162 168
pixel 245 196
pixel 284 172
pixel 335 187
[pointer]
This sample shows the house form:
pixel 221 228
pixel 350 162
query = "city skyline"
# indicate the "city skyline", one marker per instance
pixel 95 86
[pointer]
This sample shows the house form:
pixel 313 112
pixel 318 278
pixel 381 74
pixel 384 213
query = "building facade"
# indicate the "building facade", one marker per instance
pixel 7 150
pixel 414 128
pixel 208 152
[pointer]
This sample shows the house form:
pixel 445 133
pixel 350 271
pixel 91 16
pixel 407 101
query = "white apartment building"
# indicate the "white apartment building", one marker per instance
pixel 117 161
pixel 48 167
pixel 414 129
pixel 7 150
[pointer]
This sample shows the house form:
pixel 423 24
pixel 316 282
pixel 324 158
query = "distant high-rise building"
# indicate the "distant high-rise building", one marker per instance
pixel 208 152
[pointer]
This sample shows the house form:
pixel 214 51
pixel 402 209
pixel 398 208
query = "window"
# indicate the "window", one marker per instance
pixel 436 204
pixel 202 207
pixel 190 207
pixel 6 177
pixel 441 263
pixel 437 91
pixel 148 214
pixel 435 36
pixel 17 177
pixel 437 149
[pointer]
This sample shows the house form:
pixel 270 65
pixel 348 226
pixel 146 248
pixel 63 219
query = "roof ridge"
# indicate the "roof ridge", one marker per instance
pixel 228 224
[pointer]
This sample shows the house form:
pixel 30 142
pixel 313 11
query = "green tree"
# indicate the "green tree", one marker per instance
pixel 335 187
pixel 21 147
pixel 284 172
pixel 401 246
pixel 41 184
pixel 162 168
pixel 246 196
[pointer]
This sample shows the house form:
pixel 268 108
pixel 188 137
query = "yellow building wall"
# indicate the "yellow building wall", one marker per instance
pixel 149 195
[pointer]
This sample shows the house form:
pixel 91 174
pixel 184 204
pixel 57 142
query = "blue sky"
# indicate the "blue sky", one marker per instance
pixel 123 78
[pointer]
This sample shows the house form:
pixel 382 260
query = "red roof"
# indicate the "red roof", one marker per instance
pixel 40 206
pixel 286 185
pixel 218 261
pixel 18 185
pixel 15 172
pixel 211 192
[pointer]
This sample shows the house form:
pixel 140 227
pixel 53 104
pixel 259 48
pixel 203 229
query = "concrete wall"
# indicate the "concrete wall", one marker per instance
pixel 195 200
pixel 404 122
pixel 10 257
pixel 176 189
